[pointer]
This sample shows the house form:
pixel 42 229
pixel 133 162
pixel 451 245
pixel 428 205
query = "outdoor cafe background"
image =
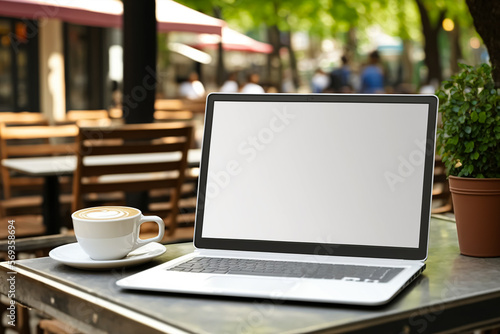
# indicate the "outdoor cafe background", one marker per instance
pixel 69 60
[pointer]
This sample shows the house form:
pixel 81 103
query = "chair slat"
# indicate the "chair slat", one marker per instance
pixel 40 150
pixel 130 186
pixel 89 150
pixel 136 131
pixel 37 132
pixel 131 168
pixel 22 118
pixel 169 104
pixel 170 115
pixel 77 115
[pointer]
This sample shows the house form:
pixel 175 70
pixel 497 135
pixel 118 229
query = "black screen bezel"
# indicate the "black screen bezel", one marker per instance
pixel 419 253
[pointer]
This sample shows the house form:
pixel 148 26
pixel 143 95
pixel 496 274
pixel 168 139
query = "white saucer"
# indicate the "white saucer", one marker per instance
pixel 74 256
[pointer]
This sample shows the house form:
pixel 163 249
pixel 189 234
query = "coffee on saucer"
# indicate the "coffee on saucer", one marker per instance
pixel 111 232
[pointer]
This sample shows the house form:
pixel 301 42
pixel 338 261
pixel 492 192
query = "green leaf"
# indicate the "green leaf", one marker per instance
pixel 468 129
pixel 442 95
pixel 474 156
pixel 474 116
pixel 469 146
pixel 483 147
pixel 482 117
pixel 448 84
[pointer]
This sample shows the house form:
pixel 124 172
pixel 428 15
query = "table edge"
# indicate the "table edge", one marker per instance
pixel 64 287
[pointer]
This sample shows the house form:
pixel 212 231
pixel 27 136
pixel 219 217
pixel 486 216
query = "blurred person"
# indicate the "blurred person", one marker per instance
pixel 288 86
pixel 319 81
pixel 252 86
pixel 372 76
pixel 116 95
pixel 340 78
pixel 231 84
pixel 192 88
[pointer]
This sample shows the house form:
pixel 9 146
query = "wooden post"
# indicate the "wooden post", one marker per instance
pixel 139 60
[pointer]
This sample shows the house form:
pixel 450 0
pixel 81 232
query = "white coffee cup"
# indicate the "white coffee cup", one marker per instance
pixel 111 232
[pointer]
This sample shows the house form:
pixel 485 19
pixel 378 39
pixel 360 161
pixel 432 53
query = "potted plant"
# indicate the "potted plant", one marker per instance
pixel 469 145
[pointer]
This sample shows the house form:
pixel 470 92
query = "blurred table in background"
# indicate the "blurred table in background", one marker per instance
pixel 51 167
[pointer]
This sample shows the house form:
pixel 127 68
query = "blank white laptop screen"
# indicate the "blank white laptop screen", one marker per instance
pixel 327 173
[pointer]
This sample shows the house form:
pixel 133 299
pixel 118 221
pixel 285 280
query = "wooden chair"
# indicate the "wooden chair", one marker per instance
pixel 441 195
pixel 187 199
pixel 22 118
pixel 32 141
pixel 115 174
pixel 21 194
pixel 187 204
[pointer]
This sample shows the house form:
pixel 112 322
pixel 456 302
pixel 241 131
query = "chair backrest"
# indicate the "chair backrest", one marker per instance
pixel 22 118
pixel 77 115
pixel 158 161
pixel 29 141
pixel 87 118
pixel 169 104
pixel 172 116
pixel 195 106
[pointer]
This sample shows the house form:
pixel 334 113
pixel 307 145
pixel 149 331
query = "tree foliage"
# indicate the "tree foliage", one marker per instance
pixel 417 20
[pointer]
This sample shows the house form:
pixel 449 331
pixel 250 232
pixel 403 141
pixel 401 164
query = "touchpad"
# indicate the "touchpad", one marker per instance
pixel 271 287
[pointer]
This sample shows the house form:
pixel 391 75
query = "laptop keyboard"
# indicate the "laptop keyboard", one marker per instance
pixel 288 269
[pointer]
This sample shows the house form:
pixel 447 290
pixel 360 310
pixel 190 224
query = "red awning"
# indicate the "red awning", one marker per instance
pixel 91 12
pixel 171 16
pixel 234 41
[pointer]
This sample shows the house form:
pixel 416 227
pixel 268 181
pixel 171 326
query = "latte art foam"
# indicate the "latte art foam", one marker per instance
pixel 106 213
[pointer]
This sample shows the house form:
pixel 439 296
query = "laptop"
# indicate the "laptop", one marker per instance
pixel 317 198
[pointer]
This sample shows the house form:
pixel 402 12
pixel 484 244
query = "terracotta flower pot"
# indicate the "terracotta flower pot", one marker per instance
pixel 477 211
